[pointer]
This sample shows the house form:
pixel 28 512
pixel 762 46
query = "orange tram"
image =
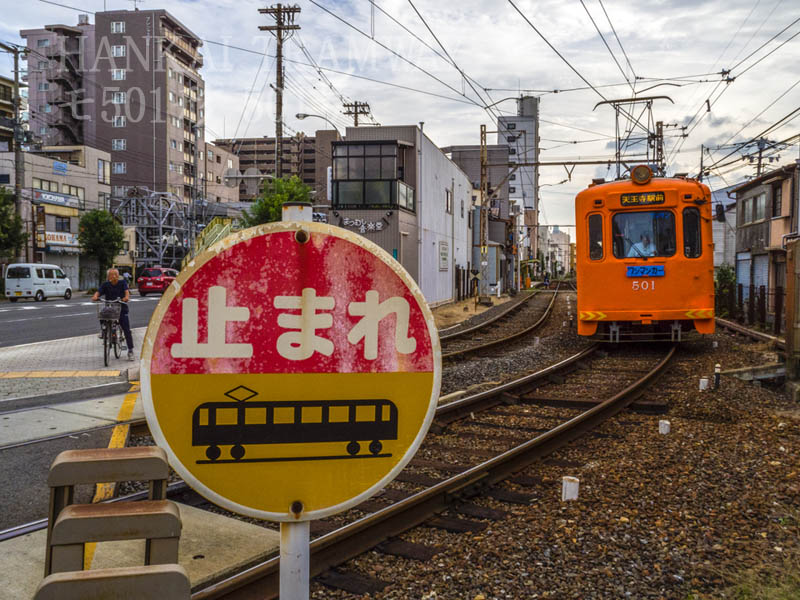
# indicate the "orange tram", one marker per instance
pixel 645 258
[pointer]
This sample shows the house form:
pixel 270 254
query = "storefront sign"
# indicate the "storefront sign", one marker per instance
pixel 444 255
pixel 56 198
pixel 363 225
pixel 59 168
pixel 61 238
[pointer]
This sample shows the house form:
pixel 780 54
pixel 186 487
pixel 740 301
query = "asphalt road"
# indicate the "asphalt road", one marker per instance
pixel 28 321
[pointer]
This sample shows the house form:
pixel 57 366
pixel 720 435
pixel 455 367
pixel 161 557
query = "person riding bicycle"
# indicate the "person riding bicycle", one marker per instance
pixel 117 289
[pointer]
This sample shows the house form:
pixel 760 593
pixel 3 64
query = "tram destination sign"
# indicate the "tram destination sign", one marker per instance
pixel 291 371
pixel 641 198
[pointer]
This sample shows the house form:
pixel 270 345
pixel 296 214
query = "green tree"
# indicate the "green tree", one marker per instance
pixel 268 207
pixel 12 234
pixel 101 236
pixel 725 290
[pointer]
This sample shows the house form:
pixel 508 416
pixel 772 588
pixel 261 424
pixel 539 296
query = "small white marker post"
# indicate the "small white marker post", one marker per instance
pixel 569 488
pixel 703 383
pixel 295 552
pixel 663 427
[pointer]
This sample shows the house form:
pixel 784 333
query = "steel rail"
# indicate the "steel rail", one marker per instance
pixel 514 306
pixel 261 581
pixel 132 422
pixel 757 335
pixel 509 338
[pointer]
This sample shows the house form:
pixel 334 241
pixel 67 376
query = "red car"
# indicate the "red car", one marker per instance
pixel 155 279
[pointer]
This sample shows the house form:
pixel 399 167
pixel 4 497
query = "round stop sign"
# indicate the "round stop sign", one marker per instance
pixel 291 371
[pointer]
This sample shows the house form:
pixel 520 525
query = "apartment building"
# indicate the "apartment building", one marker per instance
pixel 60 184
pixel 6 113
pixel 129 84
pixel 217 161
pixel 257 156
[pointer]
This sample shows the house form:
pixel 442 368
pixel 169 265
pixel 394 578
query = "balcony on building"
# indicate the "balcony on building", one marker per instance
pixel 175 41
pixel 370 175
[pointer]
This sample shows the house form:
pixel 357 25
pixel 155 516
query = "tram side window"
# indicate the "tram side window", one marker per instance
pixel 595 237
pixel 691 233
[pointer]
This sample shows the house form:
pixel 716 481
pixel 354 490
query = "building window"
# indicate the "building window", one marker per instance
pixel 73 190
pixel 180 100
pixel 44 184
pixel 171 97
pixel 760 207
pixel 102 201
pixel 777 200
pixel 512 177
pixel 118 51
pixel 448 201
pixel 511 126
pixel 43 130
pixel 120 190
pixel 119 98
pixel 173 144
pixel 230 163
pixel 48 108
pixel 170 72
pixel 43 86
pixel 103 171
pixel 42 64
pixel 120 168
pixel 118 74
pixel 512 189
pixel 512 150
pixel 43 43
pixel 210 155
pixel 202 113
pixel 62 224
pixel 117 26
pixel 119 121
pixel 119 144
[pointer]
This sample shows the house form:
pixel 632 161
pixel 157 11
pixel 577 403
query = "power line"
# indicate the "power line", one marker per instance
pixel 602 37
pixel 621 47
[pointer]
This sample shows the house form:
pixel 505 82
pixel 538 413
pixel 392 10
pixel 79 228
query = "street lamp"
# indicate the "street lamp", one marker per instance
pixel 302 116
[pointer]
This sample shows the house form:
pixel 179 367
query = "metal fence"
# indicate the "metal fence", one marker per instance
pixel 754 306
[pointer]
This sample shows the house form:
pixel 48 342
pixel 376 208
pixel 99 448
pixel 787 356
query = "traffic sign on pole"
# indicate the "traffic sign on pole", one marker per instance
pixel 291 371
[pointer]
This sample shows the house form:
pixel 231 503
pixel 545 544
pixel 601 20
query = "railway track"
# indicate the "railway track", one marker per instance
pixel 527 316
pixel 467 456
pixel 751 333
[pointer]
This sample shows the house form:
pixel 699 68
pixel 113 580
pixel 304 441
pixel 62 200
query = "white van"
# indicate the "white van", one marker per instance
pixel 37 281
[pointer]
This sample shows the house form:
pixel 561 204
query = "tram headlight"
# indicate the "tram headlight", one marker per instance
pixel 641 174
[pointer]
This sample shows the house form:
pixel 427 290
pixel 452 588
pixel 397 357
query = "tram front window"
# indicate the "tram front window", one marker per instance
pixel 644 234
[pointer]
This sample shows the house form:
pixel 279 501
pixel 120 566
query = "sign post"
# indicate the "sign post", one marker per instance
pixel 290 372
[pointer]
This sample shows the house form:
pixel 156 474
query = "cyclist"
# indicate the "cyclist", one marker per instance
pixel 117 289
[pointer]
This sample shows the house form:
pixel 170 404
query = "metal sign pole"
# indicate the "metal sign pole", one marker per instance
pixel 295 571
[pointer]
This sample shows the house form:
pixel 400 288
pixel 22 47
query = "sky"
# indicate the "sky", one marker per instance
pixel 384 54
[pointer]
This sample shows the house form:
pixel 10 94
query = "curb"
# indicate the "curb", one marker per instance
pixel 86 393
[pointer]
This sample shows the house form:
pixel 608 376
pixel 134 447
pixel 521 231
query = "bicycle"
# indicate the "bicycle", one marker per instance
pixel 108 313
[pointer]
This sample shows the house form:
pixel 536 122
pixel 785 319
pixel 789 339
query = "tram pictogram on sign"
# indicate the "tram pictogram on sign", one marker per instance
pixel 291 362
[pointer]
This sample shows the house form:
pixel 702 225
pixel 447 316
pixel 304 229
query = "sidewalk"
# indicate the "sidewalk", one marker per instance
pixel 69 368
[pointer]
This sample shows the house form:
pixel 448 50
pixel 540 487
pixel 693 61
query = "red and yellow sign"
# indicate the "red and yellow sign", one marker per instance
pixel 291 362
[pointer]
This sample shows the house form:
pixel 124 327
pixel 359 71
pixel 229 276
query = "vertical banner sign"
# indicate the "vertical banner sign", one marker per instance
pixel 41 226
pixel 291 363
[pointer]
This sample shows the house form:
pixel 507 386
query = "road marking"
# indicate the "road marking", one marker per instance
pixel 119 437
pixel 29 307
pixel 87 303
pixel 47 317
pixel 48 374
pixel 61 305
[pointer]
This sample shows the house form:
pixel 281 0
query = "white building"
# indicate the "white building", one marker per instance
pixel 396 187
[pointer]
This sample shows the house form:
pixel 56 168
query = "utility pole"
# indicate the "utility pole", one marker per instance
pixel 356 108
pixel 284 21
pixel 483 283
pixel 19 136
pixel 702 150
pixel 659 149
